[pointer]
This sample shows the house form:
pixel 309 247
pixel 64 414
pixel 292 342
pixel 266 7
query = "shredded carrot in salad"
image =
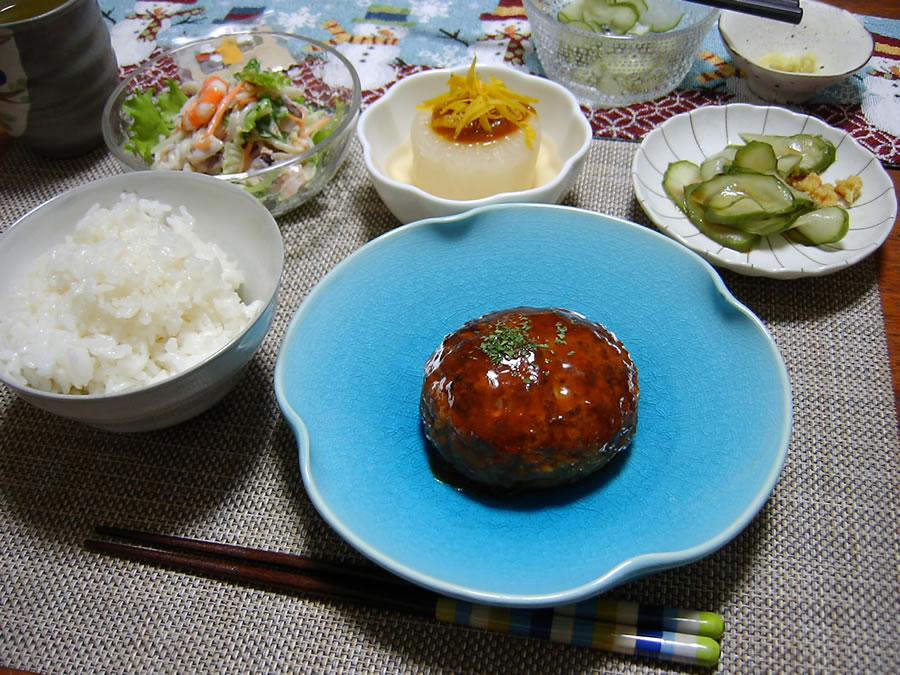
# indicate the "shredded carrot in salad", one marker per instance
pixel 245 159
pixel 226 103
pixel 241 123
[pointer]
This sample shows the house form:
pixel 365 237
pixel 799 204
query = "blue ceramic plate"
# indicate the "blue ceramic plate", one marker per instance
pixel 715 410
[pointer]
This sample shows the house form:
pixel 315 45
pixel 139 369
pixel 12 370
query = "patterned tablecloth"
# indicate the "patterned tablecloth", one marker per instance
pixel 811 585
pixel 387 42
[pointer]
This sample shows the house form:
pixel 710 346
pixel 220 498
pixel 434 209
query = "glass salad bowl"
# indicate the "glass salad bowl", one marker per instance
pixel 271 112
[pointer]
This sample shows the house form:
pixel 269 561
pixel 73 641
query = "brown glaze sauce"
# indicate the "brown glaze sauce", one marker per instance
pixel 562 402
pixel 571 386
pixel 473 132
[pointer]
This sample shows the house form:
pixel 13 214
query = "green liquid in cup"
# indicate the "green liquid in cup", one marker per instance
pixel 19 10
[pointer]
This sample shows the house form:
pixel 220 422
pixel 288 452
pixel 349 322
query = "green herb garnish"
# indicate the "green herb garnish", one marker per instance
pixel 561 329
pixel 509 341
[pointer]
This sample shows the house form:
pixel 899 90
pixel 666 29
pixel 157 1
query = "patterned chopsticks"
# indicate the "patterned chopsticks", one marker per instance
pixel 632 614
pixel 553 624
pixel 671 635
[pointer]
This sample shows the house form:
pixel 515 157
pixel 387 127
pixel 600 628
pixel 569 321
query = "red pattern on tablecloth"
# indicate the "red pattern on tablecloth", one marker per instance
pixel 874 121
pixel 635 121
pixel 852 120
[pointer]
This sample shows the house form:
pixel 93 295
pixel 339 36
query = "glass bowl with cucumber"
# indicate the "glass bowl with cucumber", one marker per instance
pixel 617 52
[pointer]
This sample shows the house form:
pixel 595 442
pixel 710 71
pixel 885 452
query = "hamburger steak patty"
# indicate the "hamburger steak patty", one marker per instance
pixel 529 397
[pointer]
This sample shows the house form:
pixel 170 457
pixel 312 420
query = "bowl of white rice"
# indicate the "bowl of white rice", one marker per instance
pixel 135 302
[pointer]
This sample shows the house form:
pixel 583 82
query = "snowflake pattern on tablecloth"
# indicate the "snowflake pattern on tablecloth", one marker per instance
pixel 388 42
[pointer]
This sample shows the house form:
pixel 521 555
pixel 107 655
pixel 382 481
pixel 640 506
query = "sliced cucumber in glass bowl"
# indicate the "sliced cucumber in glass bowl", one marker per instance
pixel 619 17
pixel 616 52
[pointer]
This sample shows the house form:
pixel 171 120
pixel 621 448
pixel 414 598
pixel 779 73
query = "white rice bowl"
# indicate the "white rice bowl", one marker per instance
pixel 134 302
pixel 132 297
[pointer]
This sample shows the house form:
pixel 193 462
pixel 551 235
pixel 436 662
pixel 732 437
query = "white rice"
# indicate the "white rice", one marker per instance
pixel 131 298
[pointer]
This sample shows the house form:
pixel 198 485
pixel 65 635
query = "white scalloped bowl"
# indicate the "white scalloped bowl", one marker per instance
pixel 697 134
pixel 385 126
pixel 838 39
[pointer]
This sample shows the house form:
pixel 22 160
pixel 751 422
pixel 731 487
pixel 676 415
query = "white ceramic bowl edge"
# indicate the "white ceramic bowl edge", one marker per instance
pixel 385 126
pixel 839 41
pixel 224 214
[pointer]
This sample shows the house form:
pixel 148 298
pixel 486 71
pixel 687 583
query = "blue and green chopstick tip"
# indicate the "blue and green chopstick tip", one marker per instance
pixel 708 624
pixel 677 636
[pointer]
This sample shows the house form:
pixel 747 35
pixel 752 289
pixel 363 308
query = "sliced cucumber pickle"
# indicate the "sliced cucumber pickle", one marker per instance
pixel 718 162
pixel 817 153
pixel 721 234
pixel 827 225
pixel 578 23
pixel 662 16
pixel 740 209
pixel 641 5
pixel 741 194
pixel 787 163
pixel 772 194
pixel 679 175
pixel 572 11
pixel 635 17
pixel 767 225
pixel 756 156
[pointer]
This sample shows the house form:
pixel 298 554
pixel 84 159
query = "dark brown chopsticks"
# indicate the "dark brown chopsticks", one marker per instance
pixel 282 571
pixel 666 634
pixel 788 11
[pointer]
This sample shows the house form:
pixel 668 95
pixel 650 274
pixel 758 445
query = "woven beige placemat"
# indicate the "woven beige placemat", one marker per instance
pixel 810 586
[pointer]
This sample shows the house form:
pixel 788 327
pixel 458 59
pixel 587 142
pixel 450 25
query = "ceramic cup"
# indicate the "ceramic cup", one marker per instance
pixel 56 71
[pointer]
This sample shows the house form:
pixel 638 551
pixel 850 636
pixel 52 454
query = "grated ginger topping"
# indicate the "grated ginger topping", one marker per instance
pixel 471 99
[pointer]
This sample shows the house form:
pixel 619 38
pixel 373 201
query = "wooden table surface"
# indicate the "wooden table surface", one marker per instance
pixel 888 256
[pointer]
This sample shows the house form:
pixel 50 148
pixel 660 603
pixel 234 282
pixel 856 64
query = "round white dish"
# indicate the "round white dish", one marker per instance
pixel 384 127
pixel 223 214
pixel 838 40
pixel 697 134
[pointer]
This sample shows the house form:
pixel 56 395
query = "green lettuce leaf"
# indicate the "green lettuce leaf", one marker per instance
pixel 265 118
pixel 268 79
pixel 327 129
pixel 232 156
pixel 153 115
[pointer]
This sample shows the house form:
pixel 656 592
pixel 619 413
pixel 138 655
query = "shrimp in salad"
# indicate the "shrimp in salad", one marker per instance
pixel 199 109
pixel 256 120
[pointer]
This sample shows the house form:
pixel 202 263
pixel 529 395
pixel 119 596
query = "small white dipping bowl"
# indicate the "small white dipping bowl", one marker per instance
pixel 384 128
pixel 223 214
pixel 839 41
